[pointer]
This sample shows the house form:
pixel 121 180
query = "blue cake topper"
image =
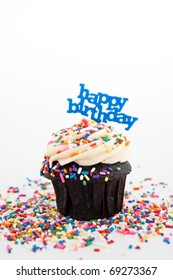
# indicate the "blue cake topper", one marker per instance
pixel 101 107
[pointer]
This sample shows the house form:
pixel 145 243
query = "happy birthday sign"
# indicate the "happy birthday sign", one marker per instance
pixel 101 107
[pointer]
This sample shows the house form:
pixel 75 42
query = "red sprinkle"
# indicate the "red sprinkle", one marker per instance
pixel 96 250
pixel 110 241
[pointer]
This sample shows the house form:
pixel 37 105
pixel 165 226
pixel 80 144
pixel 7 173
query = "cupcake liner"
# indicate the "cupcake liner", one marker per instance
pixel 97 198
pixel 93 201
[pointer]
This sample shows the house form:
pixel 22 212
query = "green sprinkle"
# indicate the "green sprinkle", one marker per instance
pixel 88 243
pixel 105 138
pixel 119 139
pixel 8 202
pixel 118 168
pixel 158 227
pixel 170 217
pixel 84 182
pixel 70 237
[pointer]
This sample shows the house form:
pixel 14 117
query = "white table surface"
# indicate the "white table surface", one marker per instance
pixel 154 249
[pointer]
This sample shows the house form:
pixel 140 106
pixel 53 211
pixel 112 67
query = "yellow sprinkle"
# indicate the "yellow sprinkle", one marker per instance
pixel 42 194
pixel 59 228
pixel 15 221
pixel 106 179
pixel 106 135
pixel 75 244
pixel 109 150
pixel 86 177
pixel 103 246
pixel 47 238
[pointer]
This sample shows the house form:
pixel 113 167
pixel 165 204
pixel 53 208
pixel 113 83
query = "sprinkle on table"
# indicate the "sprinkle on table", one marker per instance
pixel 35 222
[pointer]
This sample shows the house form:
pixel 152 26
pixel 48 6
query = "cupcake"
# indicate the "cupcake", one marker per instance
pixel 87 164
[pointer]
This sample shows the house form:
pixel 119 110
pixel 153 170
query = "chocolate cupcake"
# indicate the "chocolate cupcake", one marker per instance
pixel 87 164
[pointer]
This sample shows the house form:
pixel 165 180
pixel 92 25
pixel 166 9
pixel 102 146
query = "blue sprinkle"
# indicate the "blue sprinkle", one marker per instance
pixel 72 175
pixel 84 172
pixel 34 248
pixel 9 239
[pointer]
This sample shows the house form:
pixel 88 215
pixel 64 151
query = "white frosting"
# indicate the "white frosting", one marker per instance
pixel 87 143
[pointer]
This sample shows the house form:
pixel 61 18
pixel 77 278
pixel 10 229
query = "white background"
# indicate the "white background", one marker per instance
pixel 47 48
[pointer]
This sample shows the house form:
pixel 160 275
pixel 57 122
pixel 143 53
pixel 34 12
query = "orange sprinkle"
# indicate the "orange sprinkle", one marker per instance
pixel 38 234
pixel 136 188
pixel 84 141
pixel 93 145
pixel 142 239
pixel 74 154
pixel 127 142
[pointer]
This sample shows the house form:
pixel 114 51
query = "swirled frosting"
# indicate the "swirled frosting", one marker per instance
pixel 87 143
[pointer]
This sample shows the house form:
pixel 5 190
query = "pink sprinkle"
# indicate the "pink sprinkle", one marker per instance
pixel 51 142
pixel 60 246
pixel 62 178
pixel 9 248
pixel 131 232
pixel 102 173
pixel 29 239
pixel 154 195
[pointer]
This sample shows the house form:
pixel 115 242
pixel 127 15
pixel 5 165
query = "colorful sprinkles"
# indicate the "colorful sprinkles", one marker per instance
pixel 69 144
pixel 74 172
pixel 35 223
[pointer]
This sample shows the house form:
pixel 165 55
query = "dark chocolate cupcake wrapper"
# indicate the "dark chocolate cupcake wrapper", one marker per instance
pixel 95 200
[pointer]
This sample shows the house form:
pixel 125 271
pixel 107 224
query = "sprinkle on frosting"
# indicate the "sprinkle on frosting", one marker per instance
pixel 86 143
